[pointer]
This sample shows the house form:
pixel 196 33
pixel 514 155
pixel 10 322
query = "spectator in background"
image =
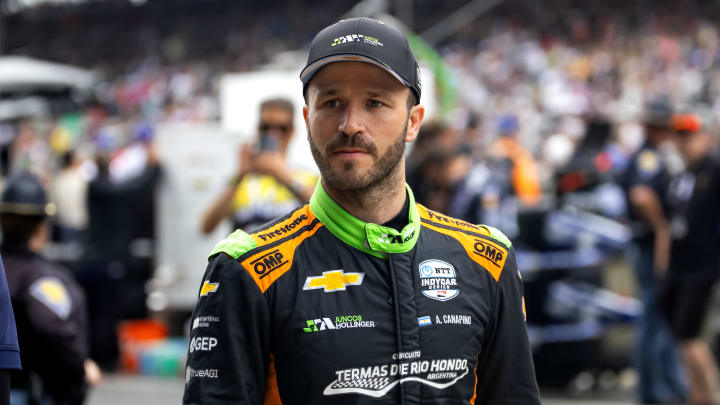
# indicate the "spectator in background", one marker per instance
pixel 434 165
pixel 50 306
pixel 112 273
pixel 646 182
pixel 695 258
pixel 10 350
pixel 69 194
pixel 264 186
pixel 524 175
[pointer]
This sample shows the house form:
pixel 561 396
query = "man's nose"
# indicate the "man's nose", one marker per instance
pixel 352 120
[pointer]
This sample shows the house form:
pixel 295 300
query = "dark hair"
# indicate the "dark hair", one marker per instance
pixel 279 103
pixel 66 159
pixel 429 132
pixel 18 229
pixel 411 101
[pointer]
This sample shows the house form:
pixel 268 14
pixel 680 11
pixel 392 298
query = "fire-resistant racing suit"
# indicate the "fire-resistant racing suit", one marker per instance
pixel 320 307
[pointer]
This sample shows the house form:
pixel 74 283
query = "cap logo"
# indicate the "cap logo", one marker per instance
pixel 356 37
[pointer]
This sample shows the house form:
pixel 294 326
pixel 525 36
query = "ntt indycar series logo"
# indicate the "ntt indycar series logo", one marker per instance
pixel 438 280
pixel 377 381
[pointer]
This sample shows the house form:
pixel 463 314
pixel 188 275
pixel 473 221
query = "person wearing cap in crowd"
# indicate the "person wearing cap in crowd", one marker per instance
pixel 695 259
pixel 264 186
pixel 9 348
pixel 645 182
pixel 519 162
pixel 49 305
pixel 362 295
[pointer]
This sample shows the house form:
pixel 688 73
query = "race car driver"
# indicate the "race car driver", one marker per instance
pixel 362 295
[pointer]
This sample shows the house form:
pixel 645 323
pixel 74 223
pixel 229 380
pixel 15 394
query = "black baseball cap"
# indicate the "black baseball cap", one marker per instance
pixel 364 40
pixel 24 195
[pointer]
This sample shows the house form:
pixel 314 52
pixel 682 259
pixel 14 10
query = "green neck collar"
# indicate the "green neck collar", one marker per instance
pixel 373 239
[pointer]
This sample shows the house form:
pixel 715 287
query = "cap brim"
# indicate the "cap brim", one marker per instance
pixel 27 209
pixel 314 67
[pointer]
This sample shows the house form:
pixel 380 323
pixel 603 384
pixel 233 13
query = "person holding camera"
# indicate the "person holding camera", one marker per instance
pixel 264 186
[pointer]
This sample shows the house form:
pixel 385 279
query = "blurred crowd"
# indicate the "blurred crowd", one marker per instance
pixel 510 73
pixel 544 107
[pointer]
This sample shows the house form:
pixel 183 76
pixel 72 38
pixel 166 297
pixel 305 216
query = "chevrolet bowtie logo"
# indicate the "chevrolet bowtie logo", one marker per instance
pixel 208 287
pixel 333 280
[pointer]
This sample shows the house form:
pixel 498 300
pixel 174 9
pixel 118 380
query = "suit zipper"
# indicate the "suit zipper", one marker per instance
pixel 398 334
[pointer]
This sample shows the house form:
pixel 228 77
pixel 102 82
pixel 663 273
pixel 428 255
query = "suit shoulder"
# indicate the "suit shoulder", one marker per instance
pixel 498 236
pixel 240 242
pixel 485 245
pixel 235 245
pixel 434 218
pixel 268 253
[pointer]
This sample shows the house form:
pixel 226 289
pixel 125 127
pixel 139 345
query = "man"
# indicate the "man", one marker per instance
pixel 508 154
pixel 113 271
pixel 69 194
pixel 646 181
pixel 361 295
pixel 49 306
pixel 694 263
pixel 9 348
pixel 264 187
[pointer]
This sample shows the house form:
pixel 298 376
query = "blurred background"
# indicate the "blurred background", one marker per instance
pixel 131 115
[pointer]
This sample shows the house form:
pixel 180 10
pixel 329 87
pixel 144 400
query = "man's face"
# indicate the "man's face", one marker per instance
pixel 276 123
pixel 693 145
pixel 358 122
pixel 658 134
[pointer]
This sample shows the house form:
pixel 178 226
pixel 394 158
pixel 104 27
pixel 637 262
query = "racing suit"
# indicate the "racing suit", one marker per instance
pixel 320 307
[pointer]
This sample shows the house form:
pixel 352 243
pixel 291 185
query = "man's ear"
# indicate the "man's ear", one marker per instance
pixel 305 114
pixel 414 121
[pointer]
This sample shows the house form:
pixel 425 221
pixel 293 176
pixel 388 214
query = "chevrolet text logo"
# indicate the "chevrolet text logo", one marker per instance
pixel 208 287
pixel 333 280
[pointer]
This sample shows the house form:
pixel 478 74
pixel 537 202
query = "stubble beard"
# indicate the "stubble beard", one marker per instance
pixel 352 179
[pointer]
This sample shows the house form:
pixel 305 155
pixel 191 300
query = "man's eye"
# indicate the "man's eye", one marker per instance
pixel 332 103
pixel 375 104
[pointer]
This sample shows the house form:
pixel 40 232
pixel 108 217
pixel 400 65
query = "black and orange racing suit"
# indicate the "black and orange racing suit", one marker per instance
pixel 321 307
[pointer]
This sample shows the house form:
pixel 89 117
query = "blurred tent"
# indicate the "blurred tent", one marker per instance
pixel 32 87
pixel 24 75
pixel 23 107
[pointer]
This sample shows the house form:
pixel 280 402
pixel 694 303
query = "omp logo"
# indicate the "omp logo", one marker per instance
pixel 486 250
pixel 333 280
pixel 268 262
pixel 356 37
pixel 208 288
pixel 341 322
pixel 283 229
